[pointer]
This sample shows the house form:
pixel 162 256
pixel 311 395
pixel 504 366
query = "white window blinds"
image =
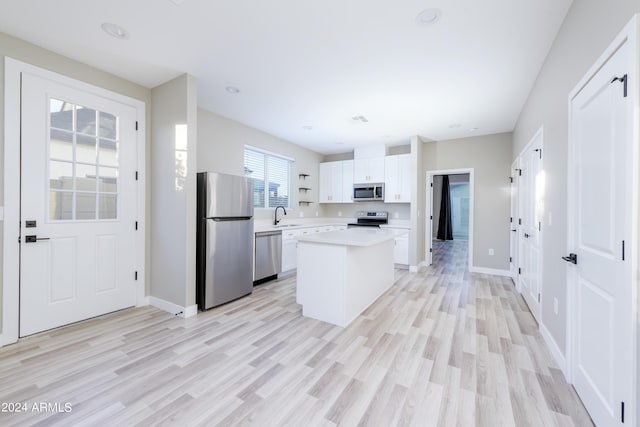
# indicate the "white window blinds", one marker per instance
pixel 271 176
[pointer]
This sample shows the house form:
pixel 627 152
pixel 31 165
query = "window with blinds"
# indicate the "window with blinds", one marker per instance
pixel 271 178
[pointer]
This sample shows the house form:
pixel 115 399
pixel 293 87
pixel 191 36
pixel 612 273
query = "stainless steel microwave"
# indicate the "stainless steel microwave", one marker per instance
pixel 368 192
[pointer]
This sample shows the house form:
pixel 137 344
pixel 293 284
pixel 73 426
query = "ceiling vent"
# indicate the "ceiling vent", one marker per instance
pixel 362 119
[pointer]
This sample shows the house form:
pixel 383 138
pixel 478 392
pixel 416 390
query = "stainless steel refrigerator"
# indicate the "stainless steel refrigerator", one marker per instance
pixel 224 255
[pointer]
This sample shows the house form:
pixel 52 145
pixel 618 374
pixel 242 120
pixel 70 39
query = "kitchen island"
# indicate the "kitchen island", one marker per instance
pixel 341 273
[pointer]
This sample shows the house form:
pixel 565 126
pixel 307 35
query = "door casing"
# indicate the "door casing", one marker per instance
pixel 11 257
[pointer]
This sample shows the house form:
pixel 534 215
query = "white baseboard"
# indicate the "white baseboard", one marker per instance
pixel 493 271
pixel 173 308
pixel 415 268
pixel 192 310
pixel 555 350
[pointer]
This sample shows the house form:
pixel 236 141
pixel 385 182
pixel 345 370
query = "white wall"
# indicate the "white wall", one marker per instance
pixel 173 201
pixel 26 52
pixel 588 29
pixel 221 144
pixel 490 157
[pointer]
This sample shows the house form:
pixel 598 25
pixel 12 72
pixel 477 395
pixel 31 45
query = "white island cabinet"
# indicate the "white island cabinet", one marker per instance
pixel 341 273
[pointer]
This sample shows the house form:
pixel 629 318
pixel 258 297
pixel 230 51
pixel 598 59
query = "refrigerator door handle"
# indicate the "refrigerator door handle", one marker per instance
pixel 233 218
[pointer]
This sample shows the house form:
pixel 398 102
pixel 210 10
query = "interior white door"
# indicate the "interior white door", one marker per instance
pixel 513 226
pixel 601 281
pixel 531 193
pixel 78 205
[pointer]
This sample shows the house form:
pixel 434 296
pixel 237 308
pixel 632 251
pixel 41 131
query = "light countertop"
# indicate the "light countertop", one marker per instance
pixel 352 237
pixel 294 224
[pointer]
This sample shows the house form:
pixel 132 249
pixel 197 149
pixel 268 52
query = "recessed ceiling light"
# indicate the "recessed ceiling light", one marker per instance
pixel 455 126
pixel 115 31
pixel 232 89
pixel 307 127
pixel 428 17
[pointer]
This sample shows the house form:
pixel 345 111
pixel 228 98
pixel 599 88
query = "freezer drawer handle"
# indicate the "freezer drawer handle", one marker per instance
pixel 234 218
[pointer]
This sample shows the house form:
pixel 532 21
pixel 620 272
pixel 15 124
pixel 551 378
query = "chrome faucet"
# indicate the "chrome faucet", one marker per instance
pixel 275 214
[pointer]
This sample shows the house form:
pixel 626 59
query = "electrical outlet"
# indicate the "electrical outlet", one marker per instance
pixel 339 213
pixel 491 252
pixel 316 213
pixel 301 214
pixel 555 305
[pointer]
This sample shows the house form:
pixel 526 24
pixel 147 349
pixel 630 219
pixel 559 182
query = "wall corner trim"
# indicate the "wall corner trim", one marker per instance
pixel 190 311
pixel 555 350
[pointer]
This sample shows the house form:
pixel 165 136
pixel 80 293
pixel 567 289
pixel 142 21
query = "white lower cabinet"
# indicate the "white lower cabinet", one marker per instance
pixel 401 250
pixel 289 243
pixel 289 256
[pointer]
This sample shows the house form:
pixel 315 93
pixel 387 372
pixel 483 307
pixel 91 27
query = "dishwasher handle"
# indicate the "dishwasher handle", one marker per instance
pixel 269 233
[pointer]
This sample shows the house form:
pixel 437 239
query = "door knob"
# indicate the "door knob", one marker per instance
pixel 33 238
pixel 572 258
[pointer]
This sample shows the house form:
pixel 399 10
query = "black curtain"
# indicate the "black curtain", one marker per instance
pixel 445 231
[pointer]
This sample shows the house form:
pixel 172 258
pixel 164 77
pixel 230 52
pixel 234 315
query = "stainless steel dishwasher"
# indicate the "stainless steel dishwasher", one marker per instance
pixel 268 255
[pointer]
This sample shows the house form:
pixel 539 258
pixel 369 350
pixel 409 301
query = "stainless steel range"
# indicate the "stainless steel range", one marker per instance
pixel 370 219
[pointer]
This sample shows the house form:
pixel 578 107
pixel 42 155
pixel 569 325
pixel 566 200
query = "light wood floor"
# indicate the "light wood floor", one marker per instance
pixel 441 347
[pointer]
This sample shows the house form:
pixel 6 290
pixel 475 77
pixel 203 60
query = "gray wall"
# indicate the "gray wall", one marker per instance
pixel 221 144
pixel 588 29
pixel 490 157
pixel 173 224
pixel 26 52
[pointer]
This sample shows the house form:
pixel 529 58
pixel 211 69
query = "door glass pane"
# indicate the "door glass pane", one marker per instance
pixel 86 149
pixel 85 120
pixel 60 205
pixel 83 162
pixel 61 145
pixel 108 182
pixel 61 114
pixel 108 152
pixel 60 175
pixel 108 126
pixel 107 205
pixel 85 205
pixel 85 177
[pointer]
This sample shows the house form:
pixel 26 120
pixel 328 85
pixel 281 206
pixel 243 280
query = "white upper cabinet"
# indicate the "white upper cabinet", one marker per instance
pixel 368 170
pixel 347 181
pixel 336 182
pixel 368 164
pixel 397 188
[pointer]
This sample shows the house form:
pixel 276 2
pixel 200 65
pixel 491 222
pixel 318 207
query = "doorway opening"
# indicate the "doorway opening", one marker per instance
pixel 449 228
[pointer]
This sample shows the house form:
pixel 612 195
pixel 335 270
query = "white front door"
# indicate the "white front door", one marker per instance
pixel 530 197
pixel 600 184
pixel 78 205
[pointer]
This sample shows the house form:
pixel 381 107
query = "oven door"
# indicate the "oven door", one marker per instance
pixel 363 192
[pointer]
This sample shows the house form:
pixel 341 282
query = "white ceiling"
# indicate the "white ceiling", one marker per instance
pixel 304 63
